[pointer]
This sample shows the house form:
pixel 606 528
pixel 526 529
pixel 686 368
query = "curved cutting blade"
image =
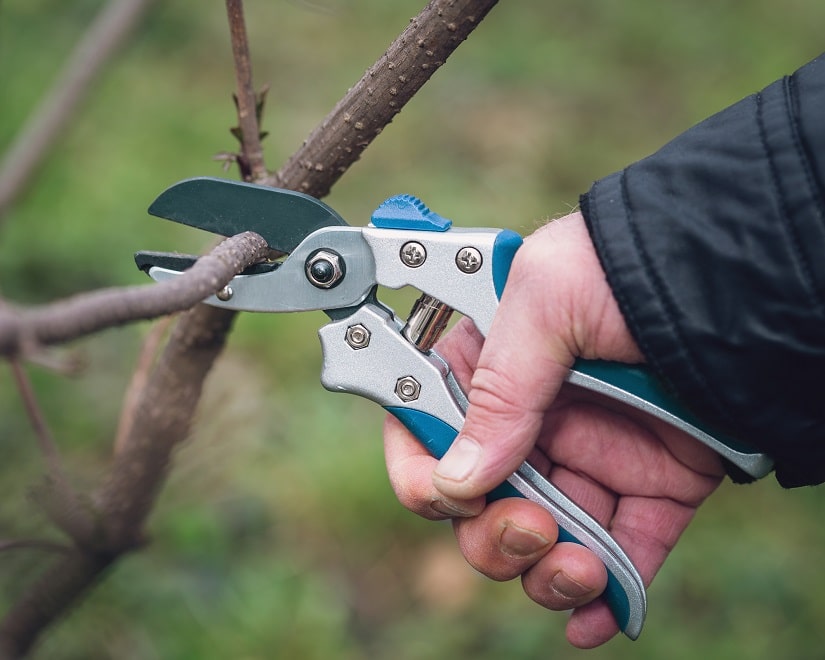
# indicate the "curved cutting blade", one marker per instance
pixel 222 206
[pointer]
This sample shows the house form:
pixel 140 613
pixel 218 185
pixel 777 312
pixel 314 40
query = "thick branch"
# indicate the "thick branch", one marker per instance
pixel 61 584
pixel 140 376
pixel 164 415
pixel 22 329
pixel 358 118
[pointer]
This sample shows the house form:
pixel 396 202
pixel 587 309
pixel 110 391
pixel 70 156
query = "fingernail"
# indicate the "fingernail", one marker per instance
pixel 518 542
pixel 567 587
pixel 450 509
pixel 458 463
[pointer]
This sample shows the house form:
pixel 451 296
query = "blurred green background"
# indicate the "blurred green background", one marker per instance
pixel 278 534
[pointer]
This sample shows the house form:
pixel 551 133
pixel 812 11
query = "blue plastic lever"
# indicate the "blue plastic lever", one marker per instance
pixel 408 212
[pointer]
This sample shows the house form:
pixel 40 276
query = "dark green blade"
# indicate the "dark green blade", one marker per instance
pixel 283 217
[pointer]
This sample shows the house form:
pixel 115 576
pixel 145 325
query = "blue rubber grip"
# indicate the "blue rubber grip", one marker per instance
pixel 505 247
pixel 437 436
pixel 640 382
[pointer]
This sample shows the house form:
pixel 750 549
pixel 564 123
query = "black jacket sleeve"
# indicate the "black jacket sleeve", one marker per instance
pixel 715 250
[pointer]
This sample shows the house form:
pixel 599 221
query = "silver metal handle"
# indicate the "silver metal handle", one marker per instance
pixel 366 354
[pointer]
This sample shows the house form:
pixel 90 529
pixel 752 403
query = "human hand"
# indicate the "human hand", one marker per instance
pixel 638 477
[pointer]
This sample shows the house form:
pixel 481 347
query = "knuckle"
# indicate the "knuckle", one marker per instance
pixel 494 392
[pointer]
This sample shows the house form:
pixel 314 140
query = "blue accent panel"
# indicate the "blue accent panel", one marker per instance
pixel 641 382
pixel 437 436
pixel 504 249
pixel 617 601
pixel 408 212
pixel 614 595
pixel 503 491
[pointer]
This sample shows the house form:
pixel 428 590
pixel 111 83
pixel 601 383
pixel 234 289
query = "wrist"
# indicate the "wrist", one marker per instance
pixel 581 304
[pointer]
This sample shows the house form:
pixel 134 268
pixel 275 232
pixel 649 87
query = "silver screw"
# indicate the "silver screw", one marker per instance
pixel 413 254
pixel 407 389
pixel 468 260
pixel 324 269
pixel 225 294
pixel 358 337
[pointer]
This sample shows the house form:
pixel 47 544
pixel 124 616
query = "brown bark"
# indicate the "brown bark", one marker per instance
pixel 68 578
pixel 386 87
pixel 84 314
pixel 112 523
pixel 251 158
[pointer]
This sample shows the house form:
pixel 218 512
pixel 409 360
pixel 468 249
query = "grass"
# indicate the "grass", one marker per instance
pixel 278 535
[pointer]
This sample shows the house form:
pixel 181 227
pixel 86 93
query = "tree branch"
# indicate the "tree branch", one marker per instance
pixel 68 578
pixel 57 496
pixel 386 87
pixel 251 160
pixel 83 314
pixel 140 376
pixel 41 429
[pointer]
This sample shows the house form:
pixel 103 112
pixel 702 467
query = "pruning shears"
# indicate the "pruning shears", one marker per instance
pixel 369 351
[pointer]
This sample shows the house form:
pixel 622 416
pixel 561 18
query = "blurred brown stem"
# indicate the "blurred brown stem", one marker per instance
pixel 108 30
pixel 140 376
pixel 44 436
pixel 60 498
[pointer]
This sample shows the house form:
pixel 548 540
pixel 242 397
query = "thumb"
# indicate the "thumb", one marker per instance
pixel 522 365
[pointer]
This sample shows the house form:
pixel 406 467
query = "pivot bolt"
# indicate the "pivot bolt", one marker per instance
pixel 358 337
pixel 324 269
pixel 468 260
pixel 407 389
pixel 413 254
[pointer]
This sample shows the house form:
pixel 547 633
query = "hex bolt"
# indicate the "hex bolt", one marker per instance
pixel 358 337
pixel 324 269
pixel 468 260
pixel 407 389
pixel 413 254
pixel 225 294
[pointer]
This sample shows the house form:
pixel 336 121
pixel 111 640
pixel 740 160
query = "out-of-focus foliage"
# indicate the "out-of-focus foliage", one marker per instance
pixel 278 535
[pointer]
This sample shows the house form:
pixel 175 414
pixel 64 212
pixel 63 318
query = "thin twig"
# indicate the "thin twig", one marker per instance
pixel 251 159
pixel 108 30
pixel 56 495
pixel 45 440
